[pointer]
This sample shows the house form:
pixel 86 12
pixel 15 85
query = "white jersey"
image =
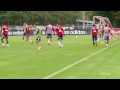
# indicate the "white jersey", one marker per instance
pixel 106 31
pixel 49 29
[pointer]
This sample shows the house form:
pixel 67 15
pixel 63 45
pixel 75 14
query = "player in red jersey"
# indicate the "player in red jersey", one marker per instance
pixel 4 34
pixel 27 31
pixel 94 33
pixel 60 32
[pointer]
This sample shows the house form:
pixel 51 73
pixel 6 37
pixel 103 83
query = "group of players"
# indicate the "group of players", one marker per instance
pixel 26 28
pixel 102 32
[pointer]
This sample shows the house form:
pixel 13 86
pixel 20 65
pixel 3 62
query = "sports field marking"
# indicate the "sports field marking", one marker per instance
pixel 63 69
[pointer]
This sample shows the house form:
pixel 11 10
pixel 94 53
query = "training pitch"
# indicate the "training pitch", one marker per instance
pixel 78 59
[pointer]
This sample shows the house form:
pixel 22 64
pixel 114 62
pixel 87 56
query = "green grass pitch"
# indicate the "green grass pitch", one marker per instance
pixel 78 59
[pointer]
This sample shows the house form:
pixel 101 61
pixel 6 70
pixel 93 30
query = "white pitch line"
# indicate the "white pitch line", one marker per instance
pixel 63 69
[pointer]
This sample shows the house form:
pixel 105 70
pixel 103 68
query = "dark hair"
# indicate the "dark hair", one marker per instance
pixel 49 23
pixel 36 23
pixel 105 25
pixel 3 23
pixel 93 24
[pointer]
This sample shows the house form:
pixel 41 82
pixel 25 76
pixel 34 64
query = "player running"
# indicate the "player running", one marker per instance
pixel 106 33
pixel 94 33
pixel 27 31
pixel 38 33
pixel 48 31
pixel 24 29
pixel 100 34
pixel 4 34
pixel 60 32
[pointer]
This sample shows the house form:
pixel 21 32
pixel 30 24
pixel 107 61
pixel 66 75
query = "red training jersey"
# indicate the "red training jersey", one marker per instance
pixel 59 30
pixel 27 29
pixel 5 30
pixel 94 31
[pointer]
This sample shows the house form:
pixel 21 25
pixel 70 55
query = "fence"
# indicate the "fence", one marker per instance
pixel 18 30
pixel 15 32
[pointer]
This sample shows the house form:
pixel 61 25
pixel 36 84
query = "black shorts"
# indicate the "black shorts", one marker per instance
pixel 106 37
pixel 49 35
pixel 94 38
pixel 24 34
pixel 60 38
pixel 4 36
pixel 38 39
pixel 27 35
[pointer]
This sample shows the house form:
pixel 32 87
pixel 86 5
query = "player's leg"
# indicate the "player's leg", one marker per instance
pixel 39 47
pixel 51 39
pixel 61 43
pixel 96 42
pixel 107 41
pixel 93 40
pixel 102 39
pixel 105 38
pixel 38 43
pixel 2 37
pixel 7 41
pixel 23 37
pixel 58 40
pixel 48 39
pixel 27 38
pixel 30 40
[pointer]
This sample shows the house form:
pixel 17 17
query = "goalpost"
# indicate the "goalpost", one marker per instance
pixel 99 20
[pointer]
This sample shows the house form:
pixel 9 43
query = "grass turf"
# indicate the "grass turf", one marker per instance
pixel 20 61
